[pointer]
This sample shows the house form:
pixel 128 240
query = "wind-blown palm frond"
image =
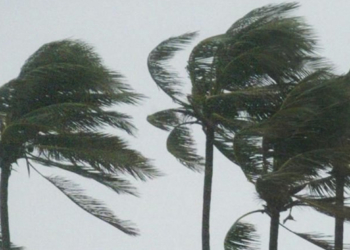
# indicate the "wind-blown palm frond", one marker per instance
pixel 249 154
pixel 309 164
pixel 181 145
pixel 293 42
pixel 158 66
pixel 223 141
pixel 326 206
pixel 111 180
pixel 242 236
pixel 261 16
pixel 66 117
pixel 246 56
pixel 322 187
pixel 52 113
pixel 170 118
pixel 90 205
pixel 106 153
pixel 56 73
pixel 320 240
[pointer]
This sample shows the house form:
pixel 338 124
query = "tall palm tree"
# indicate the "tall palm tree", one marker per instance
pixel 243 71
pixel 53 113
pixel 312 129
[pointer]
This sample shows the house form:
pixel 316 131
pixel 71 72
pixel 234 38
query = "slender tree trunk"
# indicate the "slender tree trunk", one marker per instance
pixel 5 227
pixel 274 226
pixel 207 187
pixel 339 221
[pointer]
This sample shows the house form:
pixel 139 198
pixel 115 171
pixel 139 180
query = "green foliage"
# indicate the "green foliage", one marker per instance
pixel 158 66
pixel 90 205
pixel 181 145
pixel 242 236
pixel 53 112
pixel 240 80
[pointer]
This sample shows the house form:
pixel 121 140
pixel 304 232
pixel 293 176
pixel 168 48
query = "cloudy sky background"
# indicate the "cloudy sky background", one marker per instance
pixel 168 213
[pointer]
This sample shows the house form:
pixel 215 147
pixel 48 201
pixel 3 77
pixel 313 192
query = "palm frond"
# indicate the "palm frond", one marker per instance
pixel 261 16
pixel 91 205
pixel 158 66
pixel 242 236
pixel 202 67
pixel 306 86
pixel 320 240
pixel 312 162
pixel 259 102
pixel 181 145
pixel 77 117
pixel 247 146
pixel 110 180
pixel 65 51
pixel 74 52
pixel 59 73
pixel 105 153
pixel 223 141
pixel 326 206
pixel 322 187
pixel 255 58
pixel 169 118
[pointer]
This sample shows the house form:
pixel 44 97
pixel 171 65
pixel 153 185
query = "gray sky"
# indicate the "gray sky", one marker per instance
pixel 169 210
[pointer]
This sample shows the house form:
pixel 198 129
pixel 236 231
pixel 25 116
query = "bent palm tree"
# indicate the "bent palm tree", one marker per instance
pixel 51 114
pixel 243 71
pixel 325 138
pixel 312 129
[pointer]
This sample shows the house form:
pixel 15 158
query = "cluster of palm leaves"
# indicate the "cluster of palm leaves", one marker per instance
pixel 272 106
pixel 260 93
pixel 53 114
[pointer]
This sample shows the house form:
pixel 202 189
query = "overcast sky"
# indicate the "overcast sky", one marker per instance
pixel 168 213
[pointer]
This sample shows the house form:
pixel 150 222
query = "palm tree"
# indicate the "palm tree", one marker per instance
pixel 243 71
pixel 307 151
pixel 325 136
pixel 52 114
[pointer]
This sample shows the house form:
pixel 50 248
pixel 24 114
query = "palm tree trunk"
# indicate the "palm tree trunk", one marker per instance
pixel 274 226
pixel 209 154
pixel 5 227
pixel 339 221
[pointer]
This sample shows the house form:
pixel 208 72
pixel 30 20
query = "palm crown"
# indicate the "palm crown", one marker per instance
pixel 52 114
pixel 237 78
pixel 306 149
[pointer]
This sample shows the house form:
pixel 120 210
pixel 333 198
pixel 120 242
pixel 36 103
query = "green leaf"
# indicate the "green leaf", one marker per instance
pixel 102 152
pixel 261 16
pixel 252 54
pixel 64 72
pixel 77 117
pixel 248 151
pixel 110 180
pixel 325 206
pixel 223 141
pixel 320 240
pixel 90 205
pixel 202 67
pixel 259 102
pixel 158 66
pixel 241 236
pixel 169 118
pixel 181 145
